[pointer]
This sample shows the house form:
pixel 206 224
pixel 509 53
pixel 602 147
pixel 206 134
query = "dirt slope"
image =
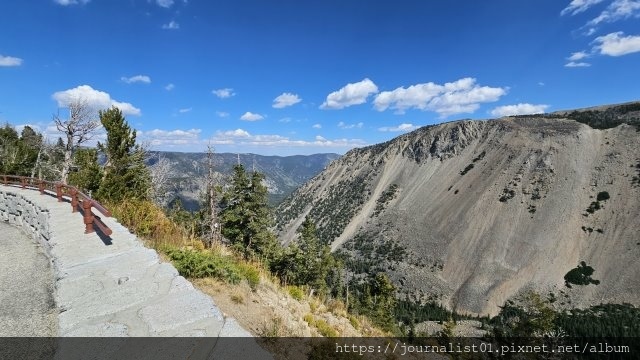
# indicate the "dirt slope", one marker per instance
pixel 486 209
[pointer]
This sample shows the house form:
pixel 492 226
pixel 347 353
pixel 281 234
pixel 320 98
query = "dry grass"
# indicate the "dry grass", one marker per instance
pixel 257 301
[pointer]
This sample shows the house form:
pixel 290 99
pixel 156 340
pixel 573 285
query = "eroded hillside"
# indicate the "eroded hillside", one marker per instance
pixel 471 213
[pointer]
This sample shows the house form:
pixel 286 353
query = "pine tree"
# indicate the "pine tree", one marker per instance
pixel 87 177
pixel 245 216
pixel 125 174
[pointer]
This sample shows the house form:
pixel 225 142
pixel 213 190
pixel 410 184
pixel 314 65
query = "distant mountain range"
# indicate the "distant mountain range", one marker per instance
pixel 473 213
pixel 283 174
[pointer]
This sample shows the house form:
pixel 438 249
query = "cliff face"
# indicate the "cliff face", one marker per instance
pixel 470 213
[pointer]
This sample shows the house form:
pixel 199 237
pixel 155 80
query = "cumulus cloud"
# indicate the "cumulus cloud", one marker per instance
pixel 518 109
pixel 222 114
pixel 169 87
pixel 171 25
pixel 136 79
pixel 317 126
pixel 402 127
pixel 95 98
pixel 243 138
pixel 158 137
pixel 70 2
pixel 249 116
pixel 342 125
pixel 185 110
pixel 223 93
pixel 578 6
pixel 350 94
pixel 286 99
pixel 10 61
pixel 164 3
pixel 616 44
pixel 617 10
pixel 461 96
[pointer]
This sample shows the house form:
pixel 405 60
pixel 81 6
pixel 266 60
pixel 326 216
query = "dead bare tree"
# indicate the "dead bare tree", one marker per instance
pixel 161 173
pixel 77 129
pixel 214 225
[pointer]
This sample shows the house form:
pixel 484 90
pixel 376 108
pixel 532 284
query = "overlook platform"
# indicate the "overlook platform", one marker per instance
pixel 112 286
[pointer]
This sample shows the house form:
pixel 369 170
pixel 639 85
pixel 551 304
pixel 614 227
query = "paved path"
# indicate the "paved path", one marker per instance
pixel 26 286
pixel 114 286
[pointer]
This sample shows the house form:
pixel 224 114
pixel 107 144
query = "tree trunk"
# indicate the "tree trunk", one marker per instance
pixel 66 165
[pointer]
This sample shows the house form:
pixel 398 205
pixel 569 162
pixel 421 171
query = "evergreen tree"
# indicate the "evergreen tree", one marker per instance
pixel 125 174
pixel 89 174
pixel 245 216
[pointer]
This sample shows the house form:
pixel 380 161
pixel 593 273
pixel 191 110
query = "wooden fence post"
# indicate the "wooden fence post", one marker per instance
pixel 88 216
pixel 24 182
pixel 41 187
pixel 74 199
pixel 59 192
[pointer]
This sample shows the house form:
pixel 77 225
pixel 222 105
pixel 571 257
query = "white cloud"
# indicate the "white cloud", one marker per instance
pixel 158 137
pixel 95 98
pixel 402 127
pixel 249 116
pixel 222 114
pixel 578 6
pixel 461 96
pixel 350 94
pixel 577 56
pixel 172 25
pixel 136 79
pixel 164 3
pixel 70 2
pixel 286 99
pixel 223 93
pixel 185 110
pixel 617 10
pixel 169 87
pixel 519 109
pixel 317 126
pixel 615 44
pixel 243 138
pixel 10 61
pixel 342 125
pixel 573 64
pixel 285 120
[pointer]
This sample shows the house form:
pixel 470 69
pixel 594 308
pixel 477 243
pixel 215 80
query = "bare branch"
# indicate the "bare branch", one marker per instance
pixel 77 129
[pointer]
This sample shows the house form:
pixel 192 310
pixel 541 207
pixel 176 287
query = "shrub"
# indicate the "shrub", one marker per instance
pixel 466 169
pixel 580 275
pixel 593 207
pixel 296 292
pixel 602 196
pixel 325 329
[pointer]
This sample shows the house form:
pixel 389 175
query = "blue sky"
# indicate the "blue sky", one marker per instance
pixel 295 77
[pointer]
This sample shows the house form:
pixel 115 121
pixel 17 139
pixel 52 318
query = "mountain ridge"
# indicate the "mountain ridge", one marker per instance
pixel 471 213
pixel 188 172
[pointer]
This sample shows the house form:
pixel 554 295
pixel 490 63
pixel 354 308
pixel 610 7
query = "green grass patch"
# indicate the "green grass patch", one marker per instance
pixel 192 263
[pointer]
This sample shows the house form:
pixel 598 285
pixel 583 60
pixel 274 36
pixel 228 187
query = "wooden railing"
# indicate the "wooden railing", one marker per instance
pixel 59 190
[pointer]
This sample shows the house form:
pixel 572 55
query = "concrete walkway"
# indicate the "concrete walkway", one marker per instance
pixel 114 286
pixel 27 307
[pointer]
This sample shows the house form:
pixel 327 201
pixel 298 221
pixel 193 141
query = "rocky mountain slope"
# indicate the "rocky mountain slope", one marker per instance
pixel 472 213
pixel 188 172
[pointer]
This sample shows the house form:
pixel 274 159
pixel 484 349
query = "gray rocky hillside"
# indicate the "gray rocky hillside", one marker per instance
pixel 471 213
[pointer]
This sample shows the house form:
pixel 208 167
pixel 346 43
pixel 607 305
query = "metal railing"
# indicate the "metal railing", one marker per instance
pixel 60 190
